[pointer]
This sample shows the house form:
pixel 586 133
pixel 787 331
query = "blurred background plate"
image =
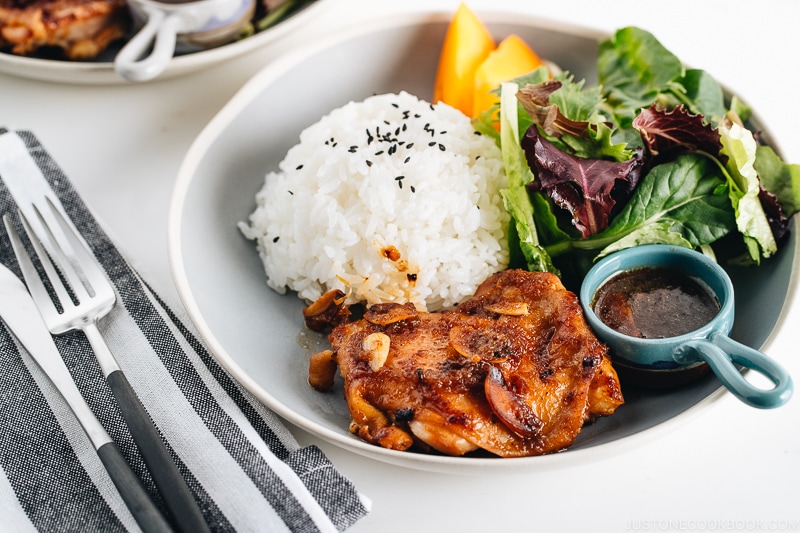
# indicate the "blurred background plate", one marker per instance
pixel 259 336
pixel 101 70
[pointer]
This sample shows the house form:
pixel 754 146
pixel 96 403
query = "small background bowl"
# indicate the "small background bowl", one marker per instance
pixel 165 29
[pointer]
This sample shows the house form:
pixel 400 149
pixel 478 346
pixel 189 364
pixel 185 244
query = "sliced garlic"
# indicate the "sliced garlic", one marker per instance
pixel 508 308
pixel 377 347
pixel 441 438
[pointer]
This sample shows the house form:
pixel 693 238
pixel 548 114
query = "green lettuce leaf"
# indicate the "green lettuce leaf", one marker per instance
pixel 779 178
pixel 739 146
pixel 515 197
pixel 486 122
pixel 704 94
pixel 686 196
pixel 657 232
pixel 634 67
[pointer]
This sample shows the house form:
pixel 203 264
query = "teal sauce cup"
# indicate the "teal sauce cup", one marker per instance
pixel 670 361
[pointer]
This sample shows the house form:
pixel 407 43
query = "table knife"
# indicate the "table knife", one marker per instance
pixel 21 316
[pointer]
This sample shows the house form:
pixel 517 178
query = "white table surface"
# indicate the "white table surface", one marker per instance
pixel 728 467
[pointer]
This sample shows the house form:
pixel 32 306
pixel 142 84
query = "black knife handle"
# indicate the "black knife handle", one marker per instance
pixel 133 493
pixel 183 508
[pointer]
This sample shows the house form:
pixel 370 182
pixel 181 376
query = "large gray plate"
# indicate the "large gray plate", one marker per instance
pixel 258 335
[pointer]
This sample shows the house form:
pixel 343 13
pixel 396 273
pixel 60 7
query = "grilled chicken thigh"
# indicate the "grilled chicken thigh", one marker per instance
pixel 514 371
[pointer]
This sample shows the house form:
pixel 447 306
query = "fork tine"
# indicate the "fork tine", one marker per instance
pixel 52 236
pixel 36 194
pixel 32 279
pixel 55 263
pixel 93 274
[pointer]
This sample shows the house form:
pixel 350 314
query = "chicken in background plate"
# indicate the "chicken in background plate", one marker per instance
pixel 81 28
pixel 514 371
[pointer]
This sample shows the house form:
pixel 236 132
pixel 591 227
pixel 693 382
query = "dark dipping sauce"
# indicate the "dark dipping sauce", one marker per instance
pixel 654 303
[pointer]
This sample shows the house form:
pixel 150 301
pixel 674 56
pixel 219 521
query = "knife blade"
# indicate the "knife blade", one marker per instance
pixel 22 318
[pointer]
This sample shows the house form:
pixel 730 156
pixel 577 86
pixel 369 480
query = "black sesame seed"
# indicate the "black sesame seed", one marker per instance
pixel 405 127
pixel 413 190
pixel 410 146
pixel 442 147
pixel 387 122
pixel 298 167
pixel 395 106
pixel 290 192
pixel 352 149
pixel 276 239
pixel 478 133
pixel 442 132
pixel 417 115
pixel 407 159
pixel 397 131
pixel 369 163
pixel 432 143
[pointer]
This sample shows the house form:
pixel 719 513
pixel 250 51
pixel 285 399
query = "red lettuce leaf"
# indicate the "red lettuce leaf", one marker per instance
pixel 535 99
pixel 778 222
pixel 667 132
pixel 588 189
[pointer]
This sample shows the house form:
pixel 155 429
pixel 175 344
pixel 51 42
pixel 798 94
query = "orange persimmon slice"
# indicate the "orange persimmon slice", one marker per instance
pixel 467 43
pixel 512 58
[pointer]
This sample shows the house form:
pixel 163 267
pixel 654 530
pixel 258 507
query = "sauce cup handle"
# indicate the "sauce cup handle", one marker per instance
pixel 722 354
pixel 161 30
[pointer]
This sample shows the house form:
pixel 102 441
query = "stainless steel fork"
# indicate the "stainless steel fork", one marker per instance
pixel 84 295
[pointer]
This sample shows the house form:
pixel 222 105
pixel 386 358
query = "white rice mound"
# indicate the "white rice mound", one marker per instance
pixel 390 200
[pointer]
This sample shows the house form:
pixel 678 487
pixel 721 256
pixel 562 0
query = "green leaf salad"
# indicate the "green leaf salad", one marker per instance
pixel 653 153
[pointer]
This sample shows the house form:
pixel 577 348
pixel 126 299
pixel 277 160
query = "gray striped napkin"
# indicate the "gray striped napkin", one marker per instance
pixel 245 469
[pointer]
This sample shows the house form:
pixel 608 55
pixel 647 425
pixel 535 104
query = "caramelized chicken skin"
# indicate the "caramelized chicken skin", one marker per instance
pixel 515 371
